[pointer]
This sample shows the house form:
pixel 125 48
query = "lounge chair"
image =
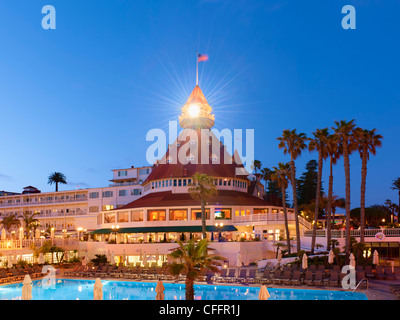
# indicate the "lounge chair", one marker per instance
pixel 312 267
pixel 308 278
pixel 369 272
pixel 220 275
pixel 32 272
pixel 70 272
pixel 250 277
pixel 116 272
pixel 16 274
pixel 334 279
pixel 380 273
pixel 4 277
pixel 242 275
pixel 390 275
pixel 318 279
pixel 286 277
pixel 266 277
pixel 360 275
pixel 296 278
pixel 276 277
pixel 231 277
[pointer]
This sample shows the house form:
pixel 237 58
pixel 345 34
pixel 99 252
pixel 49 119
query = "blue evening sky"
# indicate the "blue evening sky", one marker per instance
pixel 80 99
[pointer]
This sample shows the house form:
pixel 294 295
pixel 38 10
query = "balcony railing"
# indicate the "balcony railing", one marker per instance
pixel 41 202
pixel 370 233
pixel 27 243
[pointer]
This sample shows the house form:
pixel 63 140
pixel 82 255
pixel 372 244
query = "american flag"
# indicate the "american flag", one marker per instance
pixel 202 57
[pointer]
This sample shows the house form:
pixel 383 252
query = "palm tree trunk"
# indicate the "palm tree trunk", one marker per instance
pixel 56 186
pixel 295 205
pixel 329 210
pixel 203 219
pixel 286 219
pixel 189 293
pixel 363 186
pixel 317 199
pixel 347 205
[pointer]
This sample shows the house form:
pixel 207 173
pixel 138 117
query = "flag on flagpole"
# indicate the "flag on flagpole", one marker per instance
pixel 202 57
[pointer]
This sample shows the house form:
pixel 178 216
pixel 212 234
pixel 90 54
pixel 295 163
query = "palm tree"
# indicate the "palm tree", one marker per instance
pixel 202 189
pixel 334 150
pixel 318 143
pixel 280 175
pixel 30 222
pixel 367 141
pixel 56 178
pixel 344 130
pixel 293 143
pixel 396 186
pixel 10 221
pixel 190 258
pixel 256 166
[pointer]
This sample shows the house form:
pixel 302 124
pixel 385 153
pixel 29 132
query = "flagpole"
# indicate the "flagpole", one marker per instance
pixel 197 68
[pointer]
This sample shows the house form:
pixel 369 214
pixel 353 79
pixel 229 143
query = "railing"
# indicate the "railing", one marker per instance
pixel 270 217
pixel 28 243
pixel 337 234
pixel 121 184
pixel 37 203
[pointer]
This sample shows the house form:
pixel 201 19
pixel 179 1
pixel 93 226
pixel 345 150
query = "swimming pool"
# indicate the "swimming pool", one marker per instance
pixel 74 289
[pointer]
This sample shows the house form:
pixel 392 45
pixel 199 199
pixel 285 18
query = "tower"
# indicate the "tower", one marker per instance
pixel 196 112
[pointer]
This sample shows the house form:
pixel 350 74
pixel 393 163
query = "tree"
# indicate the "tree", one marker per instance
pixel 344 131
pixel 30 222
pixel 256 166
pixel 334 150
pixel 318 143
pixel 10 221
pixel 56 178
pixel 307 183
pixel 272 191
pixel 396 186
pixel 202 189
pixel 293 143
pixel 367 141
pixel 190 259
pixel 280 176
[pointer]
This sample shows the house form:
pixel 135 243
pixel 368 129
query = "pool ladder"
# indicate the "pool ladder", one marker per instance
pixel 360 283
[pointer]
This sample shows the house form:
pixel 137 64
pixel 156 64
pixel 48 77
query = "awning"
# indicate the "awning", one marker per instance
pixel 165 229
pixel 382 244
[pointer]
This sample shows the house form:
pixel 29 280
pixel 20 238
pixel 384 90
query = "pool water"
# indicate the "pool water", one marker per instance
pixel 72 289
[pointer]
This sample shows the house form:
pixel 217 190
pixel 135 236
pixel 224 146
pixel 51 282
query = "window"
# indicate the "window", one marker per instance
pixel 222 214
pixel 177 214
pixel 196 214
pixel 109 217
pixel 137 216
pixel 122 193
pixel 107 194
pixel 156 215
pixel 144 171
pixel 123 173
pixel 93 209
pixel 184 182
pixel 259 211
pixel 136 192
pixel 174 182
pixel 108 207
pixel 123 216
pixel 179 182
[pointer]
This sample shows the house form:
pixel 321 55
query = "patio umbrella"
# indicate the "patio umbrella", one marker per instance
pixel 279 254
pixel 141 255
pixel 83 261
pixel 112 258
pixel 98 290
pixel 331 256
pixel 375 258
pixel 3 234
pixel 9 262
pixel 264 294
pixel 37 234
pixel 352 260
pixel 109 255
pixel 123 256
pixel 27 288
pixel 160 291
pixel 157 256
pixel 15 260
pixel 239 261
pixel 304 263
pixel 41 259
pixel 144 259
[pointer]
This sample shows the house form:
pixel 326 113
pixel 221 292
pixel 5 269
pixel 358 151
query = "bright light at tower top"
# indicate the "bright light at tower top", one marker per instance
pixel 194 110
